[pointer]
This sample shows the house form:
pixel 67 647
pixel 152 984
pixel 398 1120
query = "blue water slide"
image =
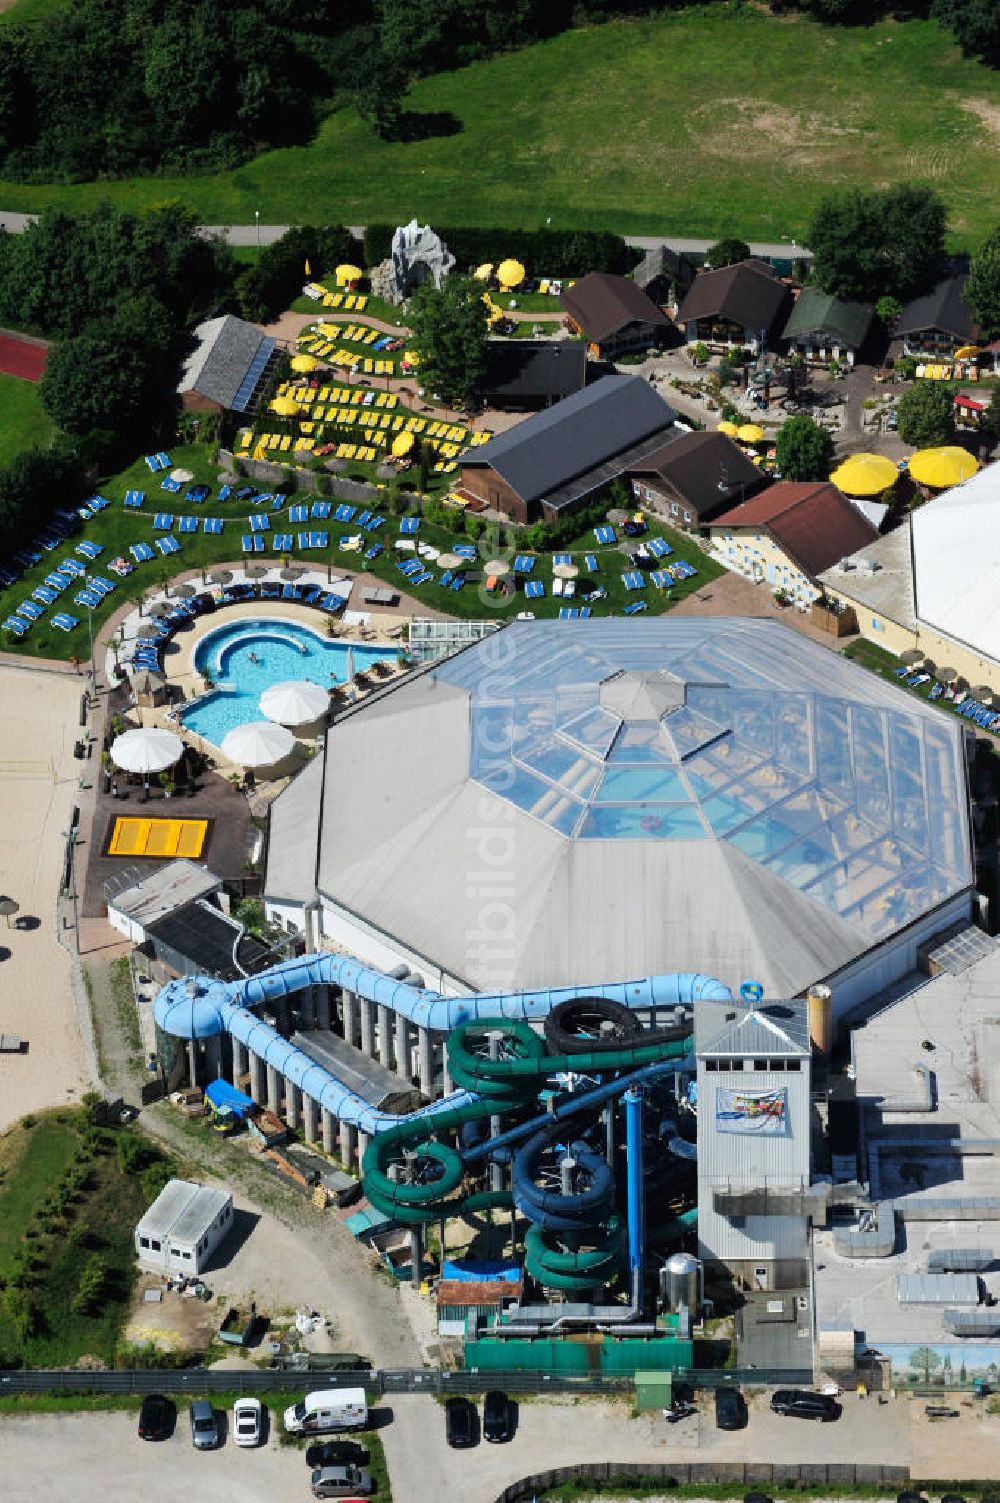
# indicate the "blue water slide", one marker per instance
pixel 429 1009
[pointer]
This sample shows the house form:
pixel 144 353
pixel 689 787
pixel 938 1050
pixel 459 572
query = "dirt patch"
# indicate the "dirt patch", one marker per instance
pixel 986 111
pixel 175 1323
pixel 765 128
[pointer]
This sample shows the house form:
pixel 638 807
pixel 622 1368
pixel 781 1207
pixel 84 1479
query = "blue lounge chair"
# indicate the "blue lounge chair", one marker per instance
pixel 225 491
pixel 319 540
pixel 561 558
pixel 73 567
pixel 364 519
pixel 321 509
pixel 605 535
pixel 902 671
pixel 464 550
pixel 163 521
pixel 421 578
pixel 282 542
pixel 198 494
pixel 298 514
pixel 168 545
pixel 153 462
pixel 409 527
pixel 44 595
pixel 97 503
pixel 590 559
pixel 311 593
pixel 173 486
pixel 344 513
pixel 585 613
pixel 212 525
pixel 374 524
pixel 332 603
pixel 534 589
pixel 659 547
pixel 164 460
pixel 134 498
pixel 457 582
pixel 270 589
pixel 16 625
pixel 446 579
pixel 633 580
pixel 31 609
pixel 260 522
pixel 141 552
pixel 87 549
pixel 87 598
pixel 634 608
pixel 187 524
pixel 524 563
pixel 374 551
pixel 936 691
pixel 568 612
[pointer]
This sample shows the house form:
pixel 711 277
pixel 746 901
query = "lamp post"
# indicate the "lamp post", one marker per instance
pixel 90 635
pixel 70 837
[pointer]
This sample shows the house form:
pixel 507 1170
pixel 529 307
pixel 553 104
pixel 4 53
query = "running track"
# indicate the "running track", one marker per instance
pixel 18 357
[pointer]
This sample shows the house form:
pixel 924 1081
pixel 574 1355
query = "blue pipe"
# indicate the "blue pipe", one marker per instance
pixel 199 1007
pixel 636 1207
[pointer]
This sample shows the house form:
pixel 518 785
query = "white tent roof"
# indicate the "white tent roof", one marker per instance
pixel 956 551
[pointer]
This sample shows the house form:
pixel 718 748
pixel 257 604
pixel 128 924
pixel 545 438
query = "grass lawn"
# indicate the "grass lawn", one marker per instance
pixel 53 1231
pixel 698 122
pixel 24 424
pixel 115 528
pixel 31 10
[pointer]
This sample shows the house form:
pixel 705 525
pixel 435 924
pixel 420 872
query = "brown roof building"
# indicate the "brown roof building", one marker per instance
pixel 614 314
pixel 693 477
pixel 734 305
pixel 790 533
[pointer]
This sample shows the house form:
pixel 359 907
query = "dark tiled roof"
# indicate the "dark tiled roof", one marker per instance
pixel 551 448
pixel 521 369
pixel 818 312
pixel 746 294
pixel 663 262
pixel 941 308
pixel 601 304
pixel 812 521
pixel 228 353
pixel 694 465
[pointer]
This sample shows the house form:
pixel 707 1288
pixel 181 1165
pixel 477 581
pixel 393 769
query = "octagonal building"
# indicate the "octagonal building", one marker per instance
pixel 569 802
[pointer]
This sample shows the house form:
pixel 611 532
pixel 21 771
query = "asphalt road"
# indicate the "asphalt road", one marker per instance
pixel 266 234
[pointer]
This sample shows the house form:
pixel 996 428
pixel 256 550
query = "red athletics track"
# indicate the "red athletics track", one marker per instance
pixel 19 358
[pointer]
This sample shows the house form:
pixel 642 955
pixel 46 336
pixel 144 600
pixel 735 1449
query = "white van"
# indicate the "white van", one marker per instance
pixel 328 1409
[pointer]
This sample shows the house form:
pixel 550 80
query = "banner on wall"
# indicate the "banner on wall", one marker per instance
pixel 759 1113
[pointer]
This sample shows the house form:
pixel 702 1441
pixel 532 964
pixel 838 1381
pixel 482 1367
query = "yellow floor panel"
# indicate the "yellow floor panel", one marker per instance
pixel 157 838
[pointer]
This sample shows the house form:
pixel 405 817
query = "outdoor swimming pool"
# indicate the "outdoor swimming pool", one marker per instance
pixel 246 657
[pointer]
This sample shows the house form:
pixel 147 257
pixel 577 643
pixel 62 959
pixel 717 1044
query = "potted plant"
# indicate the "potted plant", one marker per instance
pixel 167 784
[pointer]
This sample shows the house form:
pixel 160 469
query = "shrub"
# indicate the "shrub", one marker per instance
pixel 92 1285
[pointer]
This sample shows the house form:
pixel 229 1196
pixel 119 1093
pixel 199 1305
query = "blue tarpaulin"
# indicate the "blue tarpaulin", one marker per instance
pixel 220 1093
pixel 480 1270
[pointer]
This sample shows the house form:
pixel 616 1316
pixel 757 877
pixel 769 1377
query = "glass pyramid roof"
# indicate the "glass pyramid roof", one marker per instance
pixel 738 732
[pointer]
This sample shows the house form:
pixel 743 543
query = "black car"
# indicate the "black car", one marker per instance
pixel 157 1417
pixel 336 1453
pixel 730 1409
pixel 801 1404
pixel 498 1416
pixel 461 1422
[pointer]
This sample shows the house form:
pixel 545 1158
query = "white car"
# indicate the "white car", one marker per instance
pixel 248 1422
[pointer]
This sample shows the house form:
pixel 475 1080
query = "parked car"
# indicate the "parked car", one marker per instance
pixel 341 1482
pixel 248 1422
pixel 204 1426
pixel 730 1409
pixel 680 1409
pixel 460 1420
pixel 156 1417
pixel 336 1453
pixel 800 1403
pixel 498 1416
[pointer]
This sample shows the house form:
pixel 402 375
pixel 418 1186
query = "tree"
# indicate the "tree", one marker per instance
pixel 888 309
pixel 990 421
pixel 803 450
pixel 982 290
pixel 868 245
pixel 450 336
pixel 726 252
pixel 926 415
pixel 975 25
pixel 925 1360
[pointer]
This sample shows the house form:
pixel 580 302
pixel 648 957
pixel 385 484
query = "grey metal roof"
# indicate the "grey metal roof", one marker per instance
pixel 937 1289
pixel 776 1029
pixel 183 1210
pixel 294 831
pixel 793 812
pixel 526 369
pixel 552 447
pixel 228 354
pixel 171 887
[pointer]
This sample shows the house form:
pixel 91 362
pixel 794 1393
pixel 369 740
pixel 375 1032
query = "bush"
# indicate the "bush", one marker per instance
pixel 132 1154
pixel 926 415
pixel 92 1285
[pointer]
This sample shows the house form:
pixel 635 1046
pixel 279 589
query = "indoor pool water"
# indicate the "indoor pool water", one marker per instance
pixel 247 657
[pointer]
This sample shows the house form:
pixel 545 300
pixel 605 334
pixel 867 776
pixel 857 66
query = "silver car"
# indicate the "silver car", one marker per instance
pixel 340 1482
pixel 204 1426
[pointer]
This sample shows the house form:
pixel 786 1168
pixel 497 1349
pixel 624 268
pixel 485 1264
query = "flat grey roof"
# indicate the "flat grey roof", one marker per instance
pixel 880 577
pixel 183 1211
pixel 165 891
pixel 366 1077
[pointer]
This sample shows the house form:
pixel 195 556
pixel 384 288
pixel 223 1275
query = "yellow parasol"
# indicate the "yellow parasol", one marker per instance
pixel 726 427
pixel 865 475
pixel 402 444
pixel 750 433
pixel 412 358
pixel 510 274
pixel 284 407
pixel 304 363
pixel 346 274
pixel 943 467
pixel 967 352
pixel 484 272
